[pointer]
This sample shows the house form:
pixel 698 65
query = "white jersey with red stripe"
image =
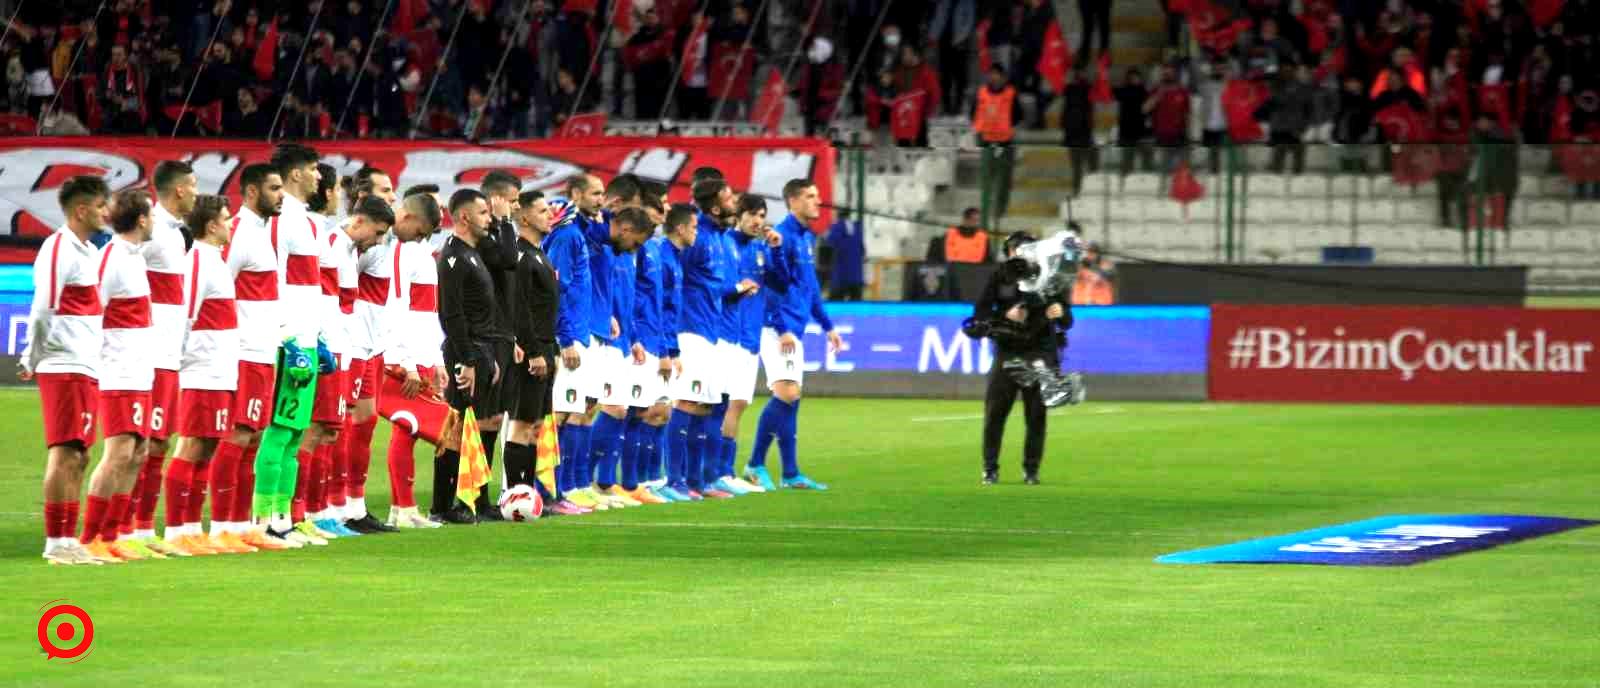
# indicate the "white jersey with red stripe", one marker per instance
pixel 374 270
pixel 252 258
pixel 164 256
pixel 300 290
pixel 211 323
pixel 126 364
pixel 338 266
pixel 64 321
pixel 415 338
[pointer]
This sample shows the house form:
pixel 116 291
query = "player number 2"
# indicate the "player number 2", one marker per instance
pixel 138 414
pixel 88 423
pixel 253 410
pixel 289 407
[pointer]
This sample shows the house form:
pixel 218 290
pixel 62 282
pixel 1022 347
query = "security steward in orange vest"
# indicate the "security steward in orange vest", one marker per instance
pixel 964 243
pixel 995 122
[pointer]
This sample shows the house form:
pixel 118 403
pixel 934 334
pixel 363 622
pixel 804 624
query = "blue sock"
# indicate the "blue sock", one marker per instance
pixel 650 452
pixel 766 429
pixel 630 453
pixel 676 433
pixel 563 440
pixel 714 441
pixel 694 465
pixel 786 433
pixel 730 449
pixel 604 436
pixel 580 457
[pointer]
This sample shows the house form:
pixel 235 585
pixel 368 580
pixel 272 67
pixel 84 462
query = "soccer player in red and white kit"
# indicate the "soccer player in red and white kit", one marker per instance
pixel 252 257
pixel 176 189
pixel 63 354
pixel 207 375
pixel 414 357
pixel 337 265
pixel 126 373
pixel 367 343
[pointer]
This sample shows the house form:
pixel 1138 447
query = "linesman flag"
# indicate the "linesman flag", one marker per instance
pixel 473 474
pixel 548 454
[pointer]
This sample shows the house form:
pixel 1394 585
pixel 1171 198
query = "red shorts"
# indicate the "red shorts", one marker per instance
pixel 68 401
pixel 252 403
pixel 204 413
pixel 163 403
pixel 124 413
pixel 364 377
pixel 423 415
pixel 330 405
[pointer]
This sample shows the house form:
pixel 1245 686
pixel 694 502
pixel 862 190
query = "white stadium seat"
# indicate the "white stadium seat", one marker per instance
pixel 1096 184
pixel 1163 210
pixel 1315 237
pixel 1573 240
pixel 1181 236
pixel 1398 237
pixel 1136 237
pixel 1553 185
pixel 1268 185
pixel 1586 213
pixel 1542 212
pixel 1308 187
pixel 1531 238
pixel 1375 211
pixel 1122 209
pixel 1415 210
pixel 1279 239
pixel 1345 185
pixel 1441 239
pixel 1141 183
pixel 1383 186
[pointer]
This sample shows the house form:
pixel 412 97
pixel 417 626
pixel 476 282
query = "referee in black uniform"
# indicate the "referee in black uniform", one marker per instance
pixel 477 351
pixel 535 296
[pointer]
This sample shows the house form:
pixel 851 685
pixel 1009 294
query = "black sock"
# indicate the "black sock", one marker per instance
pixel 490 438
pixel 445 467
pixel 519 464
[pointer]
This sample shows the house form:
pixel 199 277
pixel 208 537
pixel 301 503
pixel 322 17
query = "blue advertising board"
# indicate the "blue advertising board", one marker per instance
pixel 1383 541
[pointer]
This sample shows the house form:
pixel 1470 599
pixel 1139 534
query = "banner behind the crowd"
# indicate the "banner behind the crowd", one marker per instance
pixel 32 169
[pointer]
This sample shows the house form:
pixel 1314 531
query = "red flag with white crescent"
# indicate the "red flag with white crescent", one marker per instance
pixel 1055 60
pixel 906 121
pixel 769 107
pixel 586 125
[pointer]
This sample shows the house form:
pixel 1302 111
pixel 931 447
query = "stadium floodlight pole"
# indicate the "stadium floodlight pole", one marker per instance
pixel 594 58
pixel 677 76
pixel 196 82
pixel 70 66
pixel 14 14
pixel 362 71
pixel 494 83
pixel 438 68
pixel 311 32
pixel 749 39
pixel 800 48
pixel 860 62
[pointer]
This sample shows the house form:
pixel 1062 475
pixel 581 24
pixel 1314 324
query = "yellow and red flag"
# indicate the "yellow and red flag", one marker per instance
pixel 548 454
pixel 473 474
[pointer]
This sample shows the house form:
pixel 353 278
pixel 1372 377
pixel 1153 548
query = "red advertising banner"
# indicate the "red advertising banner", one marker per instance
pixel 33 169
pixel 1445 355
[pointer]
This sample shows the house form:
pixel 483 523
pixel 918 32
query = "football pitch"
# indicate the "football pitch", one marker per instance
pixel 907 573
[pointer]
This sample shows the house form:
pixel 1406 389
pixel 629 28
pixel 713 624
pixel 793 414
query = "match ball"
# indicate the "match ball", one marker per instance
pixel 521 503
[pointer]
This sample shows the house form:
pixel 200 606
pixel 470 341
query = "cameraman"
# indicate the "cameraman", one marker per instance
pixel 1026 326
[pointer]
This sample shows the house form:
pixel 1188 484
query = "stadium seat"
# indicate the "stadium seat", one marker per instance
pixel 1529 184
pixel 1276 211
pixel 1415 210
pixel 1308 186
pixel 1441 239
pixel 1141 184
pixel 1398 257
pixel 1554 186
pixel 1345 185
pixel 1314 237
pixel 1279 240
pixel 1096 184
pixel 1570 240
pixel 1531 238
pixel 1267 185
pixel 1135 237
pixel 1406 238
pixel 1342 210
pixel 1383 186
pixel 1375 211
pixel 1542 212
pixel 1163 210
pixel 1586 213
pixel 1203 210
pixel 1122 209
pixel 1180 236
pixel 936 169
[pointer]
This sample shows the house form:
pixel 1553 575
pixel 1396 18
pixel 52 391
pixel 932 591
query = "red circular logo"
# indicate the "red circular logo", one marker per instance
pixel 66 642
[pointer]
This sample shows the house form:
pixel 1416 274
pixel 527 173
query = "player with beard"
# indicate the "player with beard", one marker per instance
pixel 500 255
pixel 734 291
pixel 759 258
pixel 413 382
pixel 568 253
pixel 608 433
pixel 647 396
pixel 535 307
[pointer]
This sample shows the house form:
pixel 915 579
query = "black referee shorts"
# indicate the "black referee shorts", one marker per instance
pixel 487 399
pixel 528 397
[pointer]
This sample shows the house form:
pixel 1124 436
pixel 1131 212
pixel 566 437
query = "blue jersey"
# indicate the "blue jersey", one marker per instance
pixel 624 272
pixel 671 293
pixel 648 327
pixel 789 312
pixel 702 283
pixel 568 253
pixel 761 264
pixel 597 232
pixel 728 265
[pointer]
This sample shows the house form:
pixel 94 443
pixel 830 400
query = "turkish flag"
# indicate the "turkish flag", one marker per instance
pixel 984 59
pixel 1221 38
pixel 1055 60
pixel 907 116
pixel 1416 163
pixel 733 65
pixel 769 106
pixel 209 116
pixel 586 125
pixel 266 53
pixel 1545 12
pixel 1185 188
pixel 622 16
pixel 693 49
pixel 1101 91
pixel 1401 124
pixel 1240 100
pixel 1579 161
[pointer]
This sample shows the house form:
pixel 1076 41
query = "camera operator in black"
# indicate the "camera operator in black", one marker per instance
pixel 1023 325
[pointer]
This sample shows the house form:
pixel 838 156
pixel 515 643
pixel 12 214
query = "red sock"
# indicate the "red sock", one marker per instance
pixel 94 518
pixel 55 520
pixel 70 526
pixel 317 488
pixel 115 517
pixel 360 457
pixel 136 501
pixel 144 517
pixel 179 474
pixel 302 483
pixel 339 470
pixel 245 485
pixel 402 467
pixel 197 490
pixel 224 480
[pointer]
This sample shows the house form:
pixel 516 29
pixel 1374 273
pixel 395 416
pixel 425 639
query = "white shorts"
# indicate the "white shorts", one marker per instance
pixel 699 382
pixel 740 371
pixel 648 387
pixel 571 386
pixel 781 367
pixel 609 381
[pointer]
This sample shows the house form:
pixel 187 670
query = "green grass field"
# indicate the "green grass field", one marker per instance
pixel 907 573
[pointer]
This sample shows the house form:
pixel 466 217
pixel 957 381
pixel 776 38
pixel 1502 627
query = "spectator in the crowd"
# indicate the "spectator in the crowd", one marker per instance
pixel 1132 126
pixel 880 101
pixel 246 120
pixel 648 57
pixel 995 121
pixel 1280 54
pixel 1096 281
pixel 1214 119
pixel 1037 15
pixel 848 245
pixel 1077 127
pixel 950 36
pixel 915 75
pixel 1451 179
pixel 967 242
pixel 1168 108
pixel 1291 112
pixel 1352 128
pixel 1499 166
pixel 123 94
pixel 694 99
pixel 1096 15
pixel 482 117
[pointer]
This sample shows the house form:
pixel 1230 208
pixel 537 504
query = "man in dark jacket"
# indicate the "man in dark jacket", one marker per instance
pixel 1077 127
pixel 1292 109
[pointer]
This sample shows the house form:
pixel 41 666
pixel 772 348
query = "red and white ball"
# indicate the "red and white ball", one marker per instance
pixel 521 503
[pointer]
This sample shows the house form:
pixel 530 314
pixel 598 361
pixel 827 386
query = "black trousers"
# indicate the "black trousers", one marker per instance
pixel 998 400
pixel 1096 15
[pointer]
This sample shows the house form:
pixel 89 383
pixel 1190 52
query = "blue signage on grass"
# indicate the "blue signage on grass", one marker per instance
pixel 1383 541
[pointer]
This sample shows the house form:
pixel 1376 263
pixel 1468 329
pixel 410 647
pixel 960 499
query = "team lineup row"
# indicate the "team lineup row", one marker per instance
pixel 273 337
